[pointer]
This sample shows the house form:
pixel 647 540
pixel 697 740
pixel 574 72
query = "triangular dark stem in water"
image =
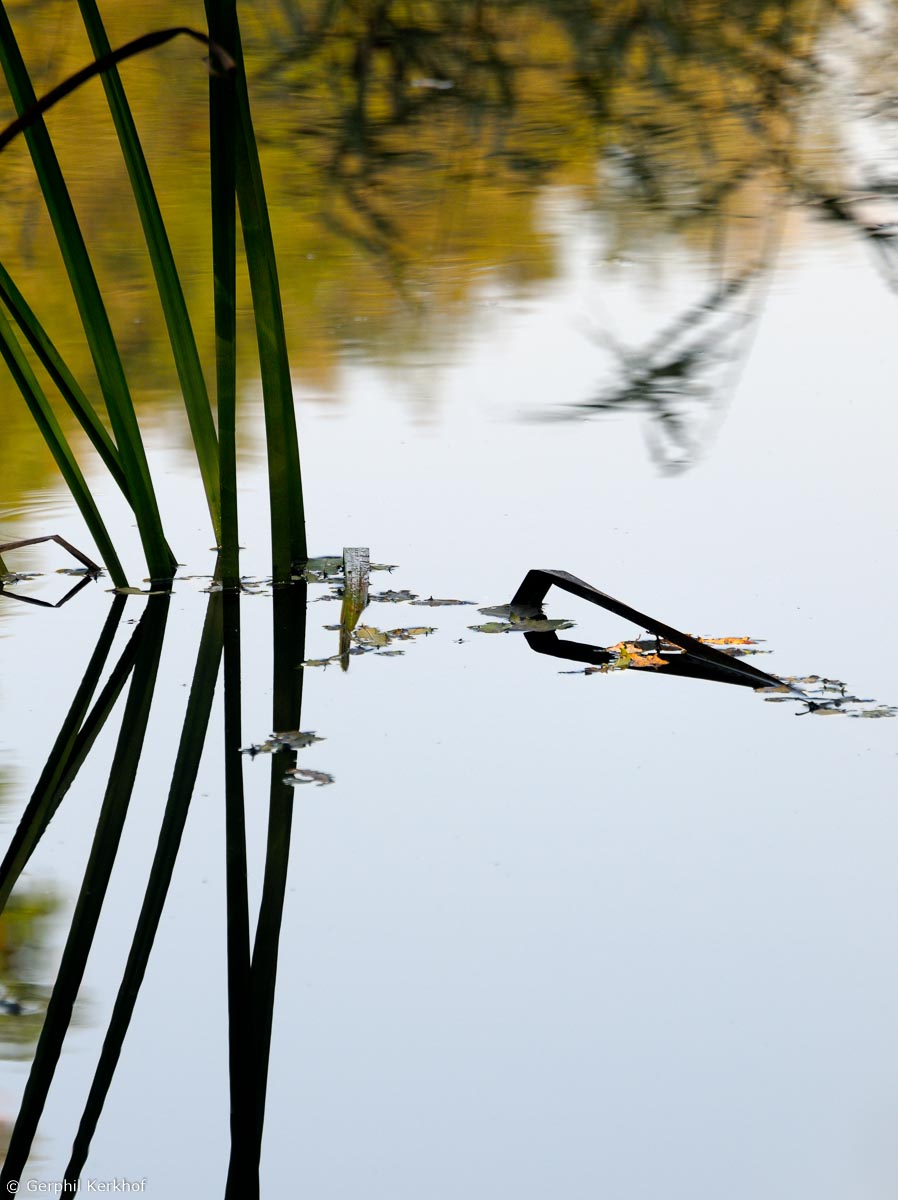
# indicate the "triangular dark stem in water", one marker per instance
pixel 528 601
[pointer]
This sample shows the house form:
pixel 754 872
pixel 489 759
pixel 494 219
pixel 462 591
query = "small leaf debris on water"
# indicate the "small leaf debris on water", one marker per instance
pixel 496 610
pixel 393 597
pixel 824 697
pixel 522 625
pixel 368 639
pixel 134 591
pixel 373 639
pixel 432 602
pixel 315 570
pixel 294 739
pixel 367 635
pixel 327 567
pixel 301 775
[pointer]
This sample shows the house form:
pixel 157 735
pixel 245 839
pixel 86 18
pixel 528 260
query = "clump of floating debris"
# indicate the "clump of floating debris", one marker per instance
pixel 824 697
pixel 292 740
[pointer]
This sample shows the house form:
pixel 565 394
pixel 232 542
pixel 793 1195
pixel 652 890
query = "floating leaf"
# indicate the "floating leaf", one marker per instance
pixel 367 635
pixel 304 775
pixel 394 597
pixel 315 569
pixel 21 576
pixel 522 625
pixel 498 610
pixel 431 602
pixel 134 591
pixel 728 641
pixel 296 739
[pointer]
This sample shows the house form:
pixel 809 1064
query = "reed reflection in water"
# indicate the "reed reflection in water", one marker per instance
pixel 252 962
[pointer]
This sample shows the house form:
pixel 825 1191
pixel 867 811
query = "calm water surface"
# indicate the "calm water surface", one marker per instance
pixel 547 933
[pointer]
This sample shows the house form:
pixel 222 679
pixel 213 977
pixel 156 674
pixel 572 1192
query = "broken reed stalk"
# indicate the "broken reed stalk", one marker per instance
pixel 529 597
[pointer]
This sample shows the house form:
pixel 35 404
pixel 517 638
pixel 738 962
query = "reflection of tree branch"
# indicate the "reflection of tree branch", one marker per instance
pixel 669 370
pixel 880 236
pixel 82 583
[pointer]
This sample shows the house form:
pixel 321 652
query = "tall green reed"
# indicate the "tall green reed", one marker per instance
pixel 236 179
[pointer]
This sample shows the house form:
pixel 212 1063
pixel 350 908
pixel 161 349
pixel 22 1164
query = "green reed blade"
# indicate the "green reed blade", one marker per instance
pixel 69 388
pixel 221 16
pixel 93 889
pixel 168 283
pixel 288 533
pixel 183 781
pixel 57 773
pixel 45 419
pixel 94 317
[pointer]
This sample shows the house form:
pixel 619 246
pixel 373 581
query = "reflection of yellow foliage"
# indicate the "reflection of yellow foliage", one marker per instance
pixel 405 145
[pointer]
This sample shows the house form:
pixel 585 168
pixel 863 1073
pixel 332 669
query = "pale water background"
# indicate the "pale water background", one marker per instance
pixel 546 934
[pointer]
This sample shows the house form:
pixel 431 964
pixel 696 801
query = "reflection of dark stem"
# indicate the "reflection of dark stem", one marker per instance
pixel 289 652
pixel 184 774
pixel 243 1174
pixel 673 664
pixel 82 583
pixel 93 889
pixel 75 738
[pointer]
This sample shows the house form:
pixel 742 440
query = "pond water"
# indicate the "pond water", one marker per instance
pixel 547 932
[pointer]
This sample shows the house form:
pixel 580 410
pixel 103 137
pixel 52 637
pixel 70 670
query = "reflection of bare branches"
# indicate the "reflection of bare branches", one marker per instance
pixel 850 210
pixel 675 377
pixel 856 210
